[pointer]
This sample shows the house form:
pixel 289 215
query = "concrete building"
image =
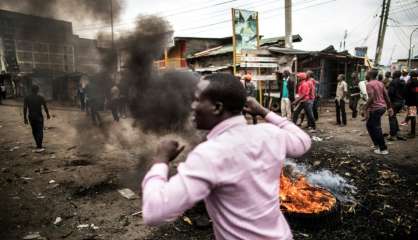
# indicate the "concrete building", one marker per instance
pixel 201 53
pixel 403 64
pixel 326 65
pixel 45 50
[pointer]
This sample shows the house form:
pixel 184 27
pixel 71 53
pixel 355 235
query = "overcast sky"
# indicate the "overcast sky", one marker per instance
pixel 320 22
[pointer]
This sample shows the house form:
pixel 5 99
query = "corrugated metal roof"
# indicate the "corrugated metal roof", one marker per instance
pixel 212 68
pixel 289 50
pixel 214 51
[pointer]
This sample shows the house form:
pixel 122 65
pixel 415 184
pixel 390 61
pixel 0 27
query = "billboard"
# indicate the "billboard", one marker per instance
pixel 245 29
pixel 360 51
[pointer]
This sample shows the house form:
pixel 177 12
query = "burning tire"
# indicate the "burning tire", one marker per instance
pixel 327 218
pixel 307 206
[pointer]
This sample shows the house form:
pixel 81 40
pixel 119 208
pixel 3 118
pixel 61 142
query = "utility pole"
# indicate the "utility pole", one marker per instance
pixel 391 55
pixel 288 23
pixel 111 24
pixel 382 30
pixel 410 48
pixel 114 51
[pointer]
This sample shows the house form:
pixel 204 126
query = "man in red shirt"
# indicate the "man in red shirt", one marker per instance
pixel 314 93
pixel 305 98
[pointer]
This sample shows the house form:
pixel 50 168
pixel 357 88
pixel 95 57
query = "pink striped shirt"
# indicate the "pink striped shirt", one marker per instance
pixel 236 172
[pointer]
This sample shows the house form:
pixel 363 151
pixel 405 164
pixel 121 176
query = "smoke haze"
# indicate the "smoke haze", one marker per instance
pixel 159 101
pixel 72 10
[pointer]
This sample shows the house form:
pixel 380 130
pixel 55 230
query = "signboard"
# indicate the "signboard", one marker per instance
pixel 360 51
pixel 244 32
pixel 258 59
pixel 258 65
pixel 245 29
pixel 264 77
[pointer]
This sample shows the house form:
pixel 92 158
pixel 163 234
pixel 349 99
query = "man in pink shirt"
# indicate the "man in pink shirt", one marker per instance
pixel 236 171
pixel 376 106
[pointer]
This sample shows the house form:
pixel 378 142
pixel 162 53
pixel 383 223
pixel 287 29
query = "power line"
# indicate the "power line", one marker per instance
pixel 171 11
pixel 221 12
pixel 131 20
pixel 264 13
pixel 396 26
pixel 274 15
pixel 210 24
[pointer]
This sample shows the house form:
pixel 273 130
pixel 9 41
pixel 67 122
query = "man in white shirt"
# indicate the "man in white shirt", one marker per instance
pixel 340 97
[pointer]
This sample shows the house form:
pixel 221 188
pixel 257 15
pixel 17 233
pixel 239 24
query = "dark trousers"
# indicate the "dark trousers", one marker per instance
pixel 375 129
pixel 94 112
pixel 316 104
pixel 413 122
pixel 393 121
pixel 340 111
pixel 37 131
pixel 123 106
pixel 82 102
pixel 114 107
pixel 2 96
pixel 353 105
pixel 307 106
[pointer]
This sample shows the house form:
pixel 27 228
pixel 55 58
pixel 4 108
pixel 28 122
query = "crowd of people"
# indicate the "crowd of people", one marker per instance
pixel 92 99
pixel 394 93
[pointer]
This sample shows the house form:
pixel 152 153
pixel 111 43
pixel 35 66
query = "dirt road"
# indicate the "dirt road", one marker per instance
pixel 77 178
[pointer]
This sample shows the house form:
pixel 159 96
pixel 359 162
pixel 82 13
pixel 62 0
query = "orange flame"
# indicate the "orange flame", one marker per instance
pixel 299 196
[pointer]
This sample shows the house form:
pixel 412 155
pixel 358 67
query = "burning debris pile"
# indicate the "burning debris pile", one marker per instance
pixel 299 196
pixel 305 192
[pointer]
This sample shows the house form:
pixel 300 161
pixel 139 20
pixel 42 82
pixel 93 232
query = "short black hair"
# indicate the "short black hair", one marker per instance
pixel 223 87
pixel 397 74
pixel 413 74
pixel 35 89
pixel 373 74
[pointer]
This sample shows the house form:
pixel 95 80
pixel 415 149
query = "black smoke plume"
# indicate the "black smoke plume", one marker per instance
pixel 160 101
pixel 74 10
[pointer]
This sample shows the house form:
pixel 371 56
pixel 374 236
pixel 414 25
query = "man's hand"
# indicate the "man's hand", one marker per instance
pixel 167 151
pixel 390 111
pixel 25 121
pixel 255 108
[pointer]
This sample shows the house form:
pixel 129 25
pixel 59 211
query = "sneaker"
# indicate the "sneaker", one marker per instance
pixel 411 135
pixel 39 150
pixel 311 130
pixel 391 138
pixel 374 147
pixel 403 123
pixel 401 138
pixel 381 152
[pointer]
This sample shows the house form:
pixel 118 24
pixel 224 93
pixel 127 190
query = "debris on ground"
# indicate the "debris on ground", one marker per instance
pixel 57 221
pixel 33 235
pixel 317 139
pixel 14 148
pixel 80 226
pixel 136 213
pixel 127 193
pixel 187 220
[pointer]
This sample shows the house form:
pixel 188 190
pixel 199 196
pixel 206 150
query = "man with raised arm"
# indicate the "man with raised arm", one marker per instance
pixel 235 171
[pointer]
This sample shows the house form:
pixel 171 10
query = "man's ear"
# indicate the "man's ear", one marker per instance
pixel 218 108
